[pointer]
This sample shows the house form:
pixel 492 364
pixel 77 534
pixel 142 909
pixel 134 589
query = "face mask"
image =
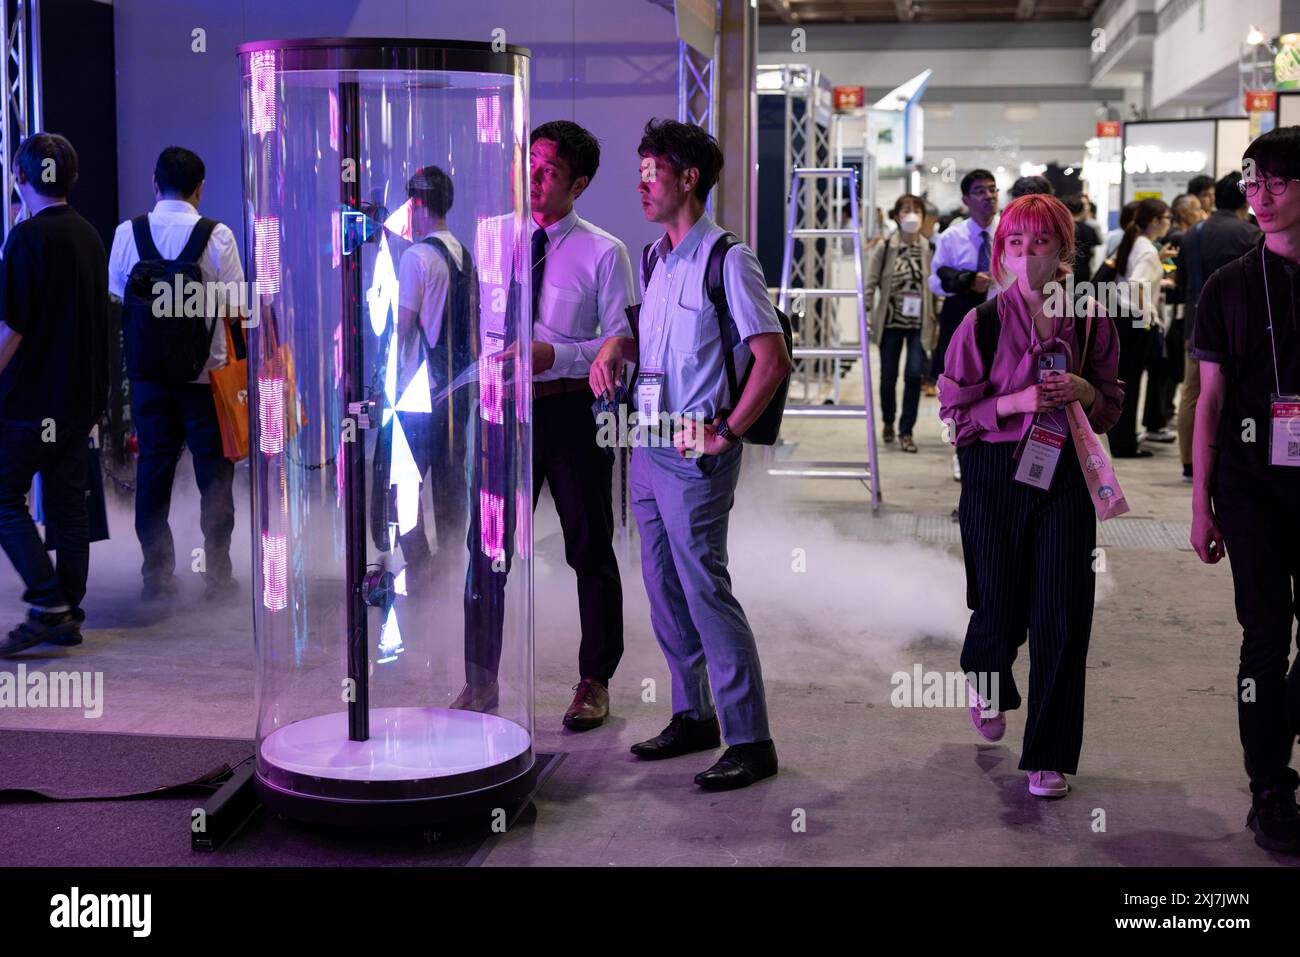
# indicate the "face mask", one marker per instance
pixel 1036 271
pixel 909 222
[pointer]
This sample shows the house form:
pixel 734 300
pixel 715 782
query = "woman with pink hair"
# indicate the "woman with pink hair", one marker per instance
pixel 1027 518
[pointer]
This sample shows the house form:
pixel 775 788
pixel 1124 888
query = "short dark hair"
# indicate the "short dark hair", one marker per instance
pixel 48 163
pixel 684 146
pixel 1030 186
pixel 1074 204
pixel 573 144
pixel 431 187
pixel 179 171
pixel 1227 192
pixel 974 176
pixel 1199 184
pixel 1276 153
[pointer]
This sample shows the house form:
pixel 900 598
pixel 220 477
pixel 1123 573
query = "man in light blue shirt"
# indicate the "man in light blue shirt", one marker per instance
pixel 682 492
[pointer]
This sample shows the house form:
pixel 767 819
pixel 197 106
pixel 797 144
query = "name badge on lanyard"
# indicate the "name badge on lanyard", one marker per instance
pixel 1047 435
pixel 1284 436
pixel 649 397
pixel 1284 407
pixel 1042 452
pixel 911 304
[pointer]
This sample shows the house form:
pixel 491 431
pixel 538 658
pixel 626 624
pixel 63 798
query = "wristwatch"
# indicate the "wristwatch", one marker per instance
pixel 723 431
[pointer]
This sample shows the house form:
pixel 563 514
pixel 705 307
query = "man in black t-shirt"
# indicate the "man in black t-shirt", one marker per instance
pixel 54 380
pixel 1246 475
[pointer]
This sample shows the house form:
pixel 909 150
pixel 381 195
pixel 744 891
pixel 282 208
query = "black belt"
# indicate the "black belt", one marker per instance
pixel 558 387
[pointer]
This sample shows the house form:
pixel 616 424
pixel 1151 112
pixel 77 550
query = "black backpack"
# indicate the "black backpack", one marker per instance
pixel 448 356
pixel 162 343
pixel 767 427
pixel 454 350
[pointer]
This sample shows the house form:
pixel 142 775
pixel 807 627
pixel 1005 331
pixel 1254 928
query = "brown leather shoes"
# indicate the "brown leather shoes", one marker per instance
pixel 590 706
pixel 484 699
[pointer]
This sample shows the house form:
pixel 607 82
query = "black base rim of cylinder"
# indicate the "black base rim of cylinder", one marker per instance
pixel 452 808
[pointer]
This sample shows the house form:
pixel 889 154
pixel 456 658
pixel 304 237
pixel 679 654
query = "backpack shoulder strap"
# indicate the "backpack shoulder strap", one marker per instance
pixel 198 240
pixel 649 259
pixel 453 270
pixel 988 330
pixel 716 290
pixel 144 244
pixel 714 286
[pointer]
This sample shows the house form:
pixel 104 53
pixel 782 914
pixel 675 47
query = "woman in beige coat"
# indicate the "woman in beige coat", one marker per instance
pixel 902 312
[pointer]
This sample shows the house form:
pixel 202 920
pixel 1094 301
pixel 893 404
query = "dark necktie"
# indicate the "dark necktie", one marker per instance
pixel 539 266
pixel 982 265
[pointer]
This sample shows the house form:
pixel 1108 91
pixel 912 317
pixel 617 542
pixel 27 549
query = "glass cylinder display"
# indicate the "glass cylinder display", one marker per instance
pixel 388 360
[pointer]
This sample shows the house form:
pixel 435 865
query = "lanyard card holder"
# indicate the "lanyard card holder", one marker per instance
pixel 1284 430
pixel 1042 451
pixel 1047 435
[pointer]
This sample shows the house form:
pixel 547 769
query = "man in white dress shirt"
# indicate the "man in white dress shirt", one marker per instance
pixel 168 416
pixel 581 286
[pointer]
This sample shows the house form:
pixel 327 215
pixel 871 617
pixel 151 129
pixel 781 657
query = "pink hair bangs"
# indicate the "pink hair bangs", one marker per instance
pixel 1031 214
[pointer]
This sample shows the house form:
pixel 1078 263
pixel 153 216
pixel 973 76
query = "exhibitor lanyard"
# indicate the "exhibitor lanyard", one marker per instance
pixel 1284 408
pixel 1047 432
pixel 1272 339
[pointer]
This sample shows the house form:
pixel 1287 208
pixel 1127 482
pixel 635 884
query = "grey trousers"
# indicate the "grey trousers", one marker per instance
pixel 682 507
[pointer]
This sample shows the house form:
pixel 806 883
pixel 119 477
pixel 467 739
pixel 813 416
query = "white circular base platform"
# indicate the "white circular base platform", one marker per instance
pixel 405 744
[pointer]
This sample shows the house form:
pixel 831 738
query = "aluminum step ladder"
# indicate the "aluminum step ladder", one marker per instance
pixel 866 473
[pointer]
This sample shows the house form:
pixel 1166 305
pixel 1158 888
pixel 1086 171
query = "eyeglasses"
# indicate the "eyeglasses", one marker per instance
pixel 1276 185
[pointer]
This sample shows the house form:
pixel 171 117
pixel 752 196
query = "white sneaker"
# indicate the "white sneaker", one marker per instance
pixel 1048 784
pixel 956 468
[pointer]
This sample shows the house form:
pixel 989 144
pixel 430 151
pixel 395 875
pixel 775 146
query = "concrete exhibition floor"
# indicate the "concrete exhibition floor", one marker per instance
pixel 861 782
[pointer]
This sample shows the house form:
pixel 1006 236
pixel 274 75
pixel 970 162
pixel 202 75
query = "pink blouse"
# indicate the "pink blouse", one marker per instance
pixel 968 393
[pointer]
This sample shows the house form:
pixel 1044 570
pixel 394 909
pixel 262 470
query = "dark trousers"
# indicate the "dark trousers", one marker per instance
pixel 1175 349
pixel 949 320
pixel 1154 417
pixel 891 347
pixel 580 474
pixel 1135 350
pixel 1261 528
pixel 1028 556
pixel 166 418
pixel 62 465
pixel 438 446
pixel 953 312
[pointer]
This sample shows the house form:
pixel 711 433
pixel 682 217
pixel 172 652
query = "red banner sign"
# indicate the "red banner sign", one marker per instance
pixel 1108 128
pixel 849 97
pixel 1261 101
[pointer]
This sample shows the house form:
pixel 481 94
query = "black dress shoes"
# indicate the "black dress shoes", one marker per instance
pixel 740 766
pixel 682 736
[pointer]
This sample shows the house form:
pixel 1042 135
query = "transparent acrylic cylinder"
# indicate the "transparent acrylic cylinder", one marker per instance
pixel 390 440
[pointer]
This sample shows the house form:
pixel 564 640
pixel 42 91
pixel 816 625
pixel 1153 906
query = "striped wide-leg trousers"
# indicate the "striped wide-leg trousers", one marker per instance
pixel 1029 558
